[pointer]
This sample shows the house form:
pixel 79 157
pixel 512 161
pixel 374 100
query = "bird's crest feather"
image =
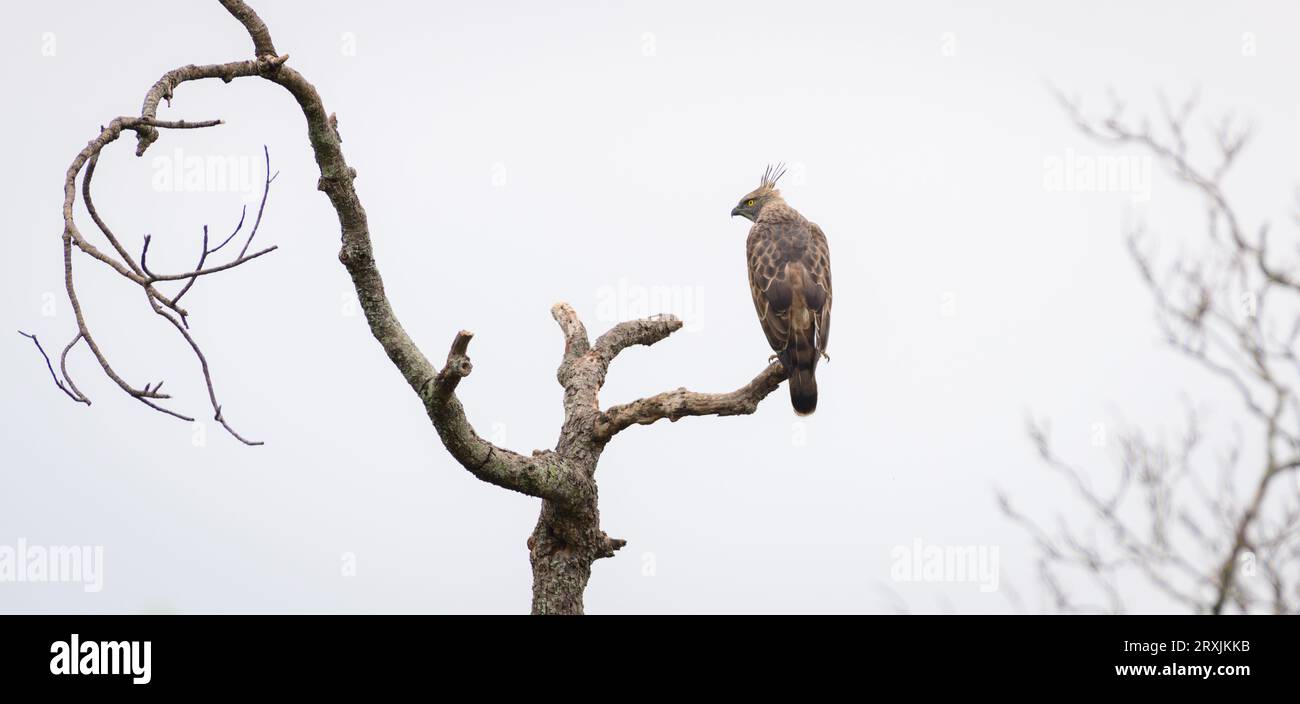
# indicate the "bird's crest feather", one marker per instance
pixel 770 176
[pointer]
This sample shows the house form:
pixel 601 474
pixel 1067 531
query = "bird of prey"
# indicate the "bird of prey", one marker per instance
pixel 790 280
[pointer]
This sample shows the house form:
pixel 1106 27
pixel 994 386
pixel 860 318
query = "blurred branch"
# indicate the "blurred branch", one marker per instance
pixel 1232 309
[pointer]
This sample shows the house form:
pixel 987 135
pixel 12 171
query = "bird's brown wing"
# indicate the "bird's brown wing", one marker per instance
pixel 774 274
pixel 768 284
pixel 817 284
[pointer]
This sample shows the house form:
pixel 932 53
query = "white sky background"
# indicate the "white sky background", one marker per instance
pixel 512 157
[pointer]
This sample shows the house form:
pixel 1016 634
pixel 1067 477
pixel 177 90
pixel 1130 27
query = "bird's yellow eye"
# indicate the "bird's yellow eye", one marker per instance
pixel 750 202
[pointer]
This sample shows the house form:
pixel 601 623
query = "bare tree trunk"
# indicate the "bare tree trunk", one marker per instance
pixel 562 552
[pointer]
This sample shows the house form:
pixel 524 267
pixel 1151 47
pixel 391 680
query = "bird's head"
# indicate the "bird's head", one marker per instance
pixel 752 203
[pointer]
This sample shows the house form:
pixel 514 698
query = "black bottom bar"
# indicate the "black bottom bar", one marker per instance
pixel 324 653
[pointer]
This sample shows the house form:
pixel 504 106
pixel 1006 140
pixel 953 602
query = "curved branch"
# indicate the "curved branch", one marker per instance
pixel 576 342
pixel 543 475
pixel 162 89
pixel 99 222
pixel 71 392
pixel 138 274
pixel 257 29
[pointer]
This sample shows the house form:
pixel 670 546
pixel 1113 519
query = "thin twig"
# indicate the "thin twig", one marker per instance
pixel 48 365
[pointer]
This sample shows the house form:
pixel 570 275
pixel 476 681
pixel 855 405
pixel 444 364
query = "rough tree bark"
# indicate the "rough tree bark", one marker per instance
pixel 568 538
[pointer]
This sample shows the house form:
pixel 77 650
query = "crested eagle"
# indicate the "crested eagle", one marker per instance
pixel 790 280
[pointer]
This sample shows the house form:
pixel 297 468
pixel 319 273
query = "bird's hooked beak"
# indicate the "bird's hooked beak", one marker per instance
pixel 735 211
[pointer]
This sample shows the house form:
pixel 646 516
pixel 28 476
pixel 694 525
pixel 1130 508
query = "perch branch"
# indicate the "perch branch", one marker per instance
pixel 680 403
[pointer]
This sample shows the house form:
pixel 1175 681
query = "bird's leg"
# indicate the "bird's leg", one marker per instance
pixel 826 357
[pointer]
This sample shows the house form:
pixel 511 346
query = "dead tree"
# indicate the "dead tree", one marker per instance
pixel 568 538
pixel 1213 533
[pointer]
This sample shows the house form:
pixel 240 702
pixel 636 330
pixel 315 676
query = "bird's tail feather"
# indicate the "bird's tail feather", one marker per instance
pixel 803 390
pixel 800 359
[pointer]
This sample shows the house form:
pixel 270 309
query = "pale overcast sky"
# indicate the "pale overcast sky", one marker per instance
pixel 512 155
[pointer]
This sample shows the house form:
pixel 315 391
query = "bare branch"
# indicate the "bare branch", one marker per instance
pixel 266 190
pixel 681 403
pixel 1223 308
pixel 72 394
pixel 646 332
pixel 612 545
pixel 210 270
pixel 576 342
pixel 257 29
pixel 543 475
pixel 199 270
